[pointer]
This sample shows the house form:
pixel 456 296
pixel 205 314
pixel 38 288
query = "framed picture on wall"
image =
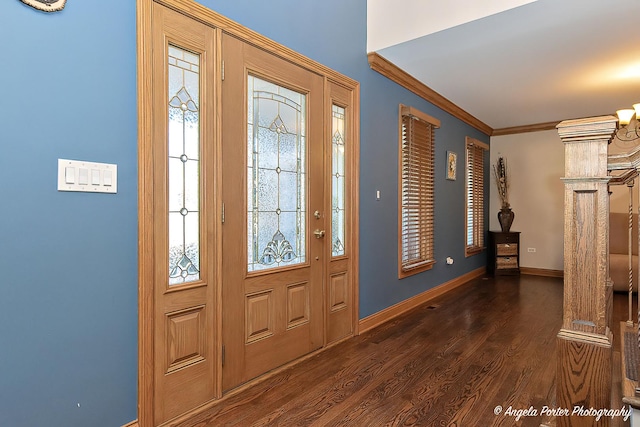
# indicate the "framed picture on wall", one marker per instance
pixel 452 161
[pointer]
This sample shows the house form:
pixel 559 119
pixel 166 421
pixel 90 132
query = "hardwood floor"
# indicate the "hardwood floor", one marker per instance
pixel 453 361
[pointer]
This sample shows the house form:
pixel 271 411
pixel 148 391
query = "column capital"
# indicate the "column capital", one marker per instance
pixel 586 144
pixel 587 129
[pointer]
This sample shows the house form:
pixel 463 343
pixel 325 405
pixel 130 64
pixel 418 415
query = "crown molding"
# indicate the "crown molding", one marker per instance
pixel 538 127
pixel 401 77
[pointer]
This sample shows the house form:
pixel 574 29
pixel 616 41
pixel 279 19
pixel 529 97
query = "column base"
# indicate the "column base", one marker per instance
pixel 584 375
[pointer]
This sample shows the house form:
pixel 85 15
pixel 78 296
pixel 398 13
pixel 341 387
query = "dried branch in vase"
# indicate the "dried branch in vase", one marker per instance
pixel 500 172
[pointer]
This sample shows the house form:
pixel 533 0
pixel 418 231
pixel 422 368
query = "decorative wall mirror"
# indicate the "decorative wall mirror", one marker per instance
pixel 46 5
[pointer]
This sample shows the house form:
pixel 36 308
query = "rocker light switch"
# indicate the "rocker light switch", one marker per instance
pixel 83 176
pixel 95 177
pixel 69 175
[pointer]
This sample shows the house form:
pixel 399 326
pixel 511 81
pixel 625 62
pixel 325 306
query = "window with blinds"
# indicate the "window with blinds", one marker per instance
pixel 474 180
pixel 417 144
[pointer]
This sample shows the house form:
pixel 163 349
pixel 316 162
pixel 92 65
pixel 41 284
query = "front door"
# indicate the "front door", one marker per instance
pixel 273 232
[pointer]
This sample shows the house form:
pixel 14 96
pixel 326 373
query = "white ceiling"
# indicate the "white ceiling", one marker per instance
pixel 515 62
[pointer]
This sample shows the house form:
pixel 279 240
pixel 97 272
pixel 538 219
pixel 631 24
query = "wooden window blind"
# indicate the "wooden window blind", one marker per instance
pixel 417 143
pixel 474 180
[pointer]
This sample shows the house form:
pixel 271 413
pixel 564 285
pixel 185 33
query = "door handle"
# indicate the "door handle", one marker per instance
pixel 319 234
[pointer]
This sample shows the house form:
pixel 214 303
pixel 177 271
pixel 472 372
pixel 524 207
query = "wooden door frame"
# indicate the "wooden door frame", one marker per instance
pixel 146 241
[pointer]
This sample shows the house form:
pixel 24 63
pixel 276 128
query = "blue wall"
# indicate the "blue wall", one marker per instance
pixel 68 307
pixel 68 301
pixel 335 35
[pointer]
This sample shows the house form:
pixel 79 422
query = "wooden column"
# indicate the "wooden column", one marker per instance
pixel 585 341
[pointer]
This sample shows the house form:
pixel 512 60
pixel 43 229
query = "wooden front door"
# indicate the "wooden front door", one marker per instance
pixel 273 232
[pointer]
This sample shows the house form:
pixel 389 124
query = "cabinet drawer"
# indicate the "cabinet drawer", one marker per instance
pixel 506 237
pixel 506 249
pixel 506 262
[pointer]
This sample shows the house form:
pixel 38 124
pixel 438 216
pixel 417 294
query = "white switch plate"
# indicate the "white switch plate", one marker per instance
pixel 77 175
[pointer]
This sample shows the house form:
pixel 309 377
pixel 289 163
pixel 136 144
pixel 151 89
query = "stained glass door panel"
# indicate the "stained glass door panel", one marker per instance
pixel 184 165
pixel 276 175
pixel 337 180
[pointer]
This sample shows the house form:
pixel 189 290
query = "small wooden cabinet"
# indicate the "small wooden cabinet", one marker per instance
pixel 503 255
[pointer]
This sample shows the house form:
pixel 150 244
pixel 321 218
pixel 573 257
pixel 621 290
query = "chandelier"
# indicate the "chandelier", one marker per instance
pixel 628 127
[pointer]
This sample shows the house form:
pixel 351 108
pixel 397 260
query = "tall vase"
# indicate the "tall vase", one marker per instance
pixel 505 217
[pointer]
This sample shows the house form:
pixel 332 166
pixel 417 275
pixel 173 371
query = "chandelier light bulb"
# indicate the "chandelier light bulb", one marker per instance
pixel 625 116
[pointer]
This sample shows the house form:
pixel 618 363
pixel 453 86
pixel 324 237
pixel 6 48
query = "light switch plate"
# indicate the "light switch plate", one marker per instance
pixel 89 177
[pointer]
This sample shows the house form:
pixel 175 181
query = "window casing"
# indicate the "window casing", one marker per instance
pixel 416 188
pixel 474 196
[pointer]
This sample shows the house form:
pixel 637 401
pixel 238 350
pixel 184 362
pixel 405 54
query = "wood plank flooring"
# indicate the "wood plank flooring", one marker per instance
pixel 451 362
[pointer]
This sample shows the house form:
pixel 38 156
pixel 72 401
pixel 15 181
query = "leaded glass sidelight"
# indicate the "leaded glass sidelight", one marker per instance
pixel 184 166
pixel 337 180
pixel 276 176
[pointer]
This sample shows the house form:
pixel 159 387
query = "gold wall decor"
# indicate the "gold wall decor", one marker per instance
pixel 452 165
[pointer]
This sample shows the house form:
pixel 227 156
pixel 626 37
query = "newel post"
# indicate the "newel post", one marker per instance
pixel 585 341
